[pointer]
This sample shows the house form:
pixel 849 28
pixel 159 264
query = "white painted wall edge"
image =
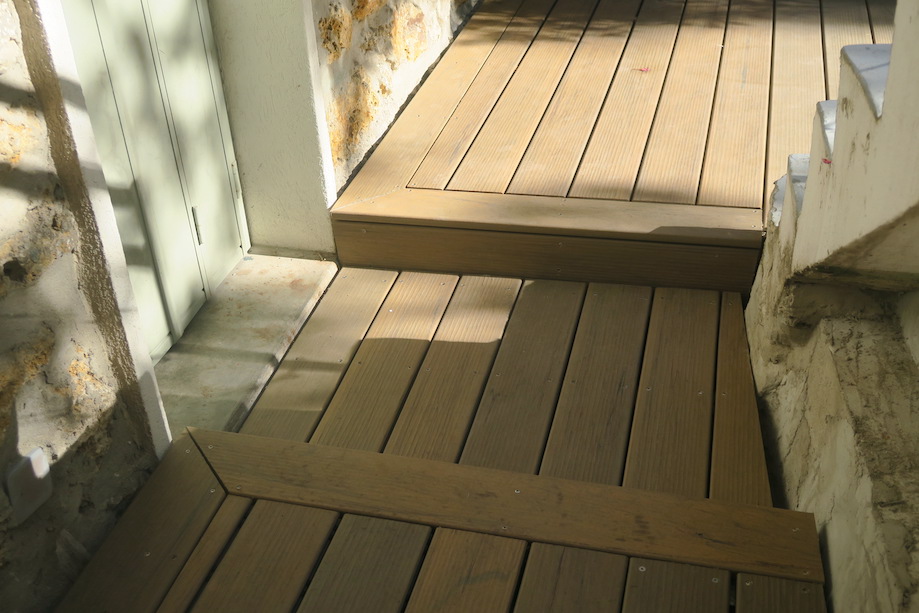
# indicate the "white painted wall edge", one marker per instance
pixel 75 108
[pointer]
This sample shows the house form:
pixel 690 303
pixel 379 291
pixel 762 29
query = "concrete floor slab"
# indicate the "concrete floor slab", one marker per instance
pixel 213 375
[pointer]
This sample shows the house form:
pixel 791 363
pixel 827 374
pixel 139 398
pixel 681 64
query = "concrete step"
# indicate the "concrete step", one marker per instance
pixel 870 63
pixel 826 112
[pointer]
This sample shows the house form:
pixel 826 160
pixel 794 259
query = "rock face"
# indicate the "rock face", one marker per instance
pixel 375 53
pixel 63 384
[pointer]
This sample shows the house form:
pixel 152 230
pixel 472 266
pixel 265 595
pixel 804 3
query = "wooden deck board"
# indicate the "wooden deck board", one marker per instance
pixel 303 384
pixel 845 22
pixel 732 173
pixel 670 441
pixel 448 150
pixel 757 594
pixel 664 586
pixel 558 579
pixel 882 14
pixel 549 165
pixel 490 163
pixel 613 155
pixel 669 173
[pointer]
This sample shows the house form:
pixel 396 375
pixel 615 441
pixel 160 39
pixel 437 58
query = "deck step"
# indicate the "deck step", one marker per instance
pixel 826 110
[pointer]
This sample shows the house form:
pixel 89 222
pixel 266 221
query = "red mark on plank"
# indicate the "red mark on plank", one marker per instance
pixel 642 69
pixel 827 161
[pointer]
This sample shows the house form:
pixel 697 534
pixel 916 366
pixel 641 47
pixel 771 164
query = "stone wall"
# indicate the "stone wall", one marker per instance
pixel 68 381
pixel 373 53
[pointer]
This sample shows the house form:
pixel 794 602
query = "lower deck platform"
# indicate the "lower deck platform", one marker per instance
pixel 435 442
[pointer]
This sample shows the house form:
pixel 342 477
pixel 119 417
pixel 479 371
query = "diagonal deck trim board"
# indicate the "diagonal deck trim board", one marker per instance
pixel 396 158
pixel 309 374
pixel 732 172
pixel 493 157
pixel 448 150
pixel 149 545
pixel 671 173
pixel 613 155
pixel 546 256
pixel 652 221
pixel 553 155
pixel 744 538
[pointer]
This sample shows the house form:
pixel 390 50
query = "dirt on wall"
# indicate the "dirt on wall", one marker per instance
pixel 373 55
pixel 59 392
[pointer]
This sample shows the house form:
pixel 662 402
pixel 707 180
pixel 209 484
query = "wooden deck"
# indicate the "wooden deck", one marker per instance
pixel 477 444
pixel 613 140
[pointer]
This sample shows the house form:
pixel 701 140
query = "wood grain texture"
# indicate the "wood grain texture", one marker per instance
pixel 465 572
pixel 732 173
pixel 278 545
pixel 738 470
pixel 601 517
pixel 845 22
pixel 147 548
pixel 611 160
pixel 490 163
pixel 664 586
pixel 797 82
pixel 306 379
pixel 546 256
pixel 672 162
pixel 367 402
pixel 395 160
pixel 767 594
pixel 510 427
pixel 882 14
pixel 560 579
pixel 213 542
pixel 369 566
pixel 671 432
pixel 553 155
pixel 590 432
pixel 694 225
pixel 436 417
pixel 451 145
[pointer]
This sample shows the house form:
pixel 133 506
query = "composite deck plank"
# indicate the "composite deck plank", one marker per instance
pixel 510 427
pixel 559 579
pixel 756 594
pixel 732 172
pixel 845 22
pixel 490 163
pixel 381 556
pixel 590 432
pixel 213 542
pixel 664 586
pixel 546 256
pixel 742 538
pixel 466 571
pixel 448 150
pixel 437 414
pixel 882 14
pixel 797 83
pixel 397 157
pixel 588 442
pixel 509 433
pixel 274 546
pixel 366 404
pixel 738 469
pixel 672 162
pixel 671 432
pixel 366 567
pixel 141 557
pixel 549 164
pixel 309 374
pixel 667 223
pixel 612 157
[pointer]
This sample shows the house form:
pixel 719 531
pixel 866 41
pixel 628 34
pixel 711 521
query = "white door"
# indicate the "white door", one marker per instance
pixel 154 98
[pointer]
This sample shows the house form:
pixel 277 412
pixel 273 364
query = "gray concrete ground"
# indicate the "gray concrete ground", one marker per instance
pixel 214 374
